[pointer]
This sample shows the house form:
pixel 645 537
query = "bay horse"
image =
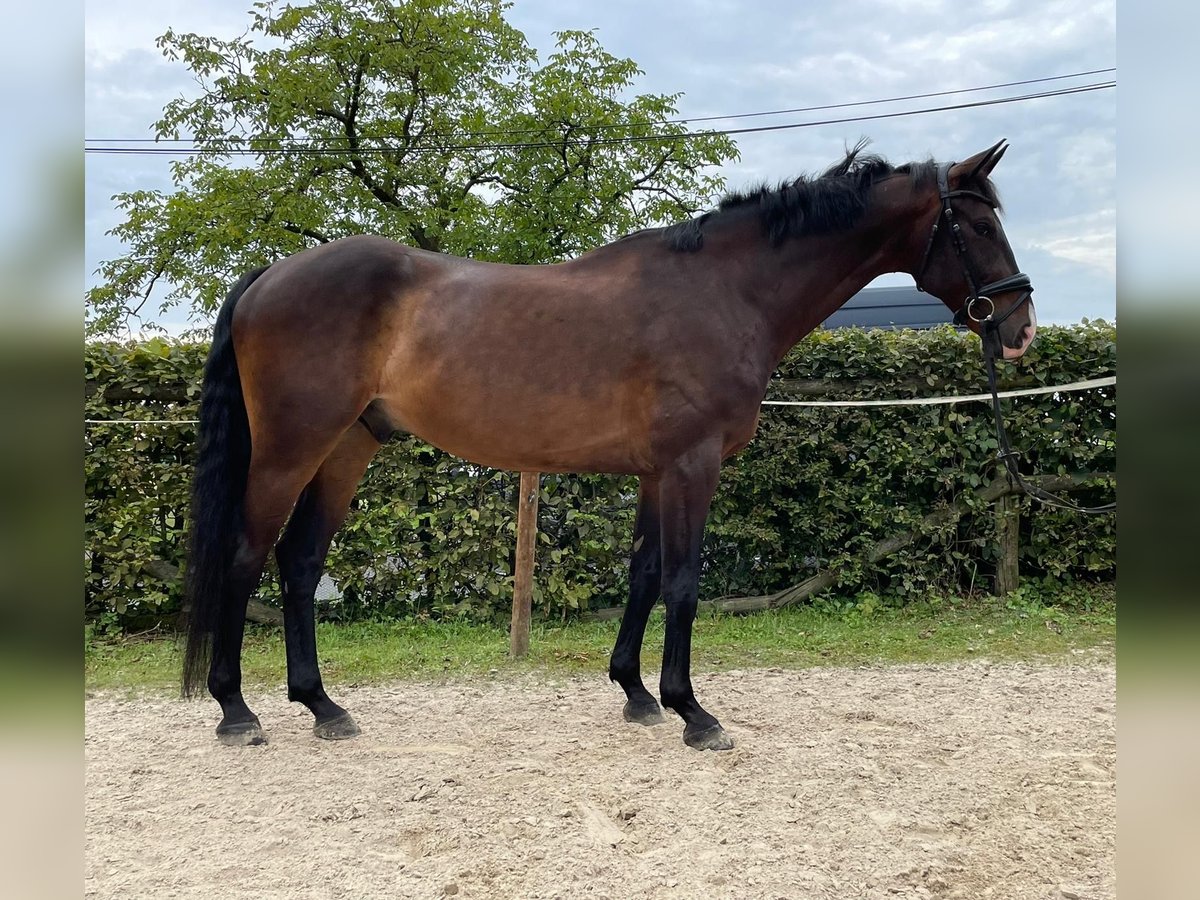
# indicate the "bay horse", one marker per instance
pixel 648 356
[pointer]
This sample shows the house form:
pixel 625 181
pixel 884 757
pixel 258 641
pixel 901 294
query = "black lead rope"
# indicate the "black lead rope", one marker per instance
pixel 1008 456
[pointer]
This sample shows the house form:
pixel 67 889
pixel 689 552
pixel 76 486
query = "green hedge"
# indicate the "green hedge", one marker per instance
pixel 430 535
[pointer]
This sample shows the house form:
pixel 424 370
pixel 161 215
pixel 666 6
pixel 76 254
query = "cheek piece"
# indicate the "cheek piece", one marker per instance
pixel 978 306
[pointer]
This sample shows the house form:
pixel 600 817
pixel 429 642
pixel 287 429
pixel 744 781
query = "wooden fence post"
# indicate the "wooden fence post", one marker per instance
pixel 527 507
pixel 1008 531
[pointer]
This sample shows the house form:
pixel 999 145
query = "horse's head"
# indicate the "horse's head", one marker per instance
pixel 968 264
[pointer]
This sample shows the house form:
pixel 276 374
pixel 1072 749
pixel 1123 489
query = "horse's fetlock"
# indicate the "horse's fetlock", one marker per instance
pixel 676 696
pixel 306 691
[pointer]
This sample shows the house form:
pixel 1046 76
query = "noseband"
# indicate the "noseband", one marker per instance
pixel 978 306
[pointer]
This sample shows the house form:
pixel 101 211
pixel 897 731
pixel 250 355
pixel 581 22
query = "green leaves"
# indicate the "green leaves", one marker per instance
pixel 817 484
pixel 429 534
pixel 429 122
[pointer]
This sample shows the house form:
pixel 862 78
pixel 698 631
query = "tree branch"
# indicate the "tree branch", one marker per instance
pixel 317 236
pixel 655 171
pixel 256 610
pixel 356 166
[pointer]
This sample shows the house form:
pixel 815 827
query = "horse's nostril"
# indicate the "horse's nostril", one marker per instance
pixel 1022 338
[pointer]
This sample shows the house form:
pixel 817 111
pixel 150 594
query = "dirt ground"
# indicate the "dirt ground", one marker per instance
pixel 970 780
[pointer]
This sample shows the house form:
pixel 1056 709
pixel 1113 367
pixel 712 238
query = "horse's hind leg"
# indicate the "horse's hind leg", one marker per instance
pixel 271 490
pixel 301 555
pixel 645 587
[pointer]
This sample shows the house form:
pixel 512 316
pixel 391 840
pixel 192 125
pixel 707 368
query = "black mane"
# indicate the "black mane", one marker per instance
pixel 832 201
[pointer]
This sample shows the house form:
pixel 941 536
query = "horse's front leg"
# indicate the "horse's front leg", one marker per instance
pixel 685 496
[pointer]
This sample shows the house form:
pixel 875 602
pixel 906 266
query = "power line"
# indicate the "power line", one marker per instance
pixel 926 96
pixel 605 126
pixel 628 139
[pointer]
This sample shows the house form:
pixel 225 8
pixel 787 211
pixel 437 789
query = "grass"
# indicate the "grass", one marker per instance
pixel 834 633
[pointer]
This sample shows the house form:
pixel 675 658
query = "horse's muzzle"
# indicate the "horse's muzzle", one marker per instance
pixel 1023 339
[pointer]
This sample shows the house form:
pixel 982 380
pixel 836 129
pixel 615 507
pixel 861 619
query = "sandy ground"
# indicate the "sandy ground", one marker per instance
pixel 970 780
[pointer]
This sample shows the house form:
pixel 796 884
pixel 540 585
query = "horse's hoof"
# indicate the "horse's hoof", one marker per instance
pixel 711 738
pixel 338 728
pixel 241 734
pixel 645 713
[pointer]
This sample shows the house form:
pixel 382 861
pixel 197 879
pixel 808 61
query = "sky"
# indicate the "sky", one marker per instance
pixel 1058 180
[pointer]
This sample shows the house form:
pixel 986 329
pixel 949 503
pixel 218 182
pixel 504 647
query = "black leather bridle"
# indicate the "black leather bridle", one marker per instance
pixel 973 309
pixel 979 295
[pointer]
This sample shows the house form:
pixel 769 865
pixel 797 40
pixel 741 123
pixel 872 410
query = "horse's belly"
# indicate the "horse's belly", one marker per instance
pixel 554 434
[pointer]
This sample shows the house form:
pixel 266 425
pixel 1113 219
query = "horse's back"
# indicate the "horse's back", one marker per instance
pixel 555 368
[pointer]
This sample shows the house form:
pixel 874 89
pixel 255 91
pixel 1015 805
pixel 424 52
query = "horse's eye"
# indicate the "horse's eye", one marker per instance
pixel 984 229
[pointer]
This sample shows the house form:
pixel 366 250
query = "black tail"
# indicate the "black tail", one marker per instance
pixel 218 491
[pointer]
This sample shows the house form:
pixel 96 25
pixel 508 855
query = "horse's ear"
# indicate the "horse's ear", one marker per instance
pixel 981 164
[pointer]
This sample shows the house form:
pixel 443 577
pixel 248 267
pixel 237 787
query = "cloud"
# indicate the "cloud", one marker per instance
pixel 1094 250
pixel 1089 239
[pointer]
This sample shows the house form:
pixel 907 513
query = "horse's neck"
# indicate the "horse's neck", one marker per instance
pixel 804 282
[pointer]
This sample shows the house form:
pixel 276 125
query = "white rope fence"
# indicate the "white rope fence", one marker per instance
pixel 960 398
pixel 141 421
pixel 905 401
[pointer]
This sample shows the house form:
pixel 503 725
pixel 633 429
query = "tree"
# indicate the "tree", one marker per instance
pixel 429 121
